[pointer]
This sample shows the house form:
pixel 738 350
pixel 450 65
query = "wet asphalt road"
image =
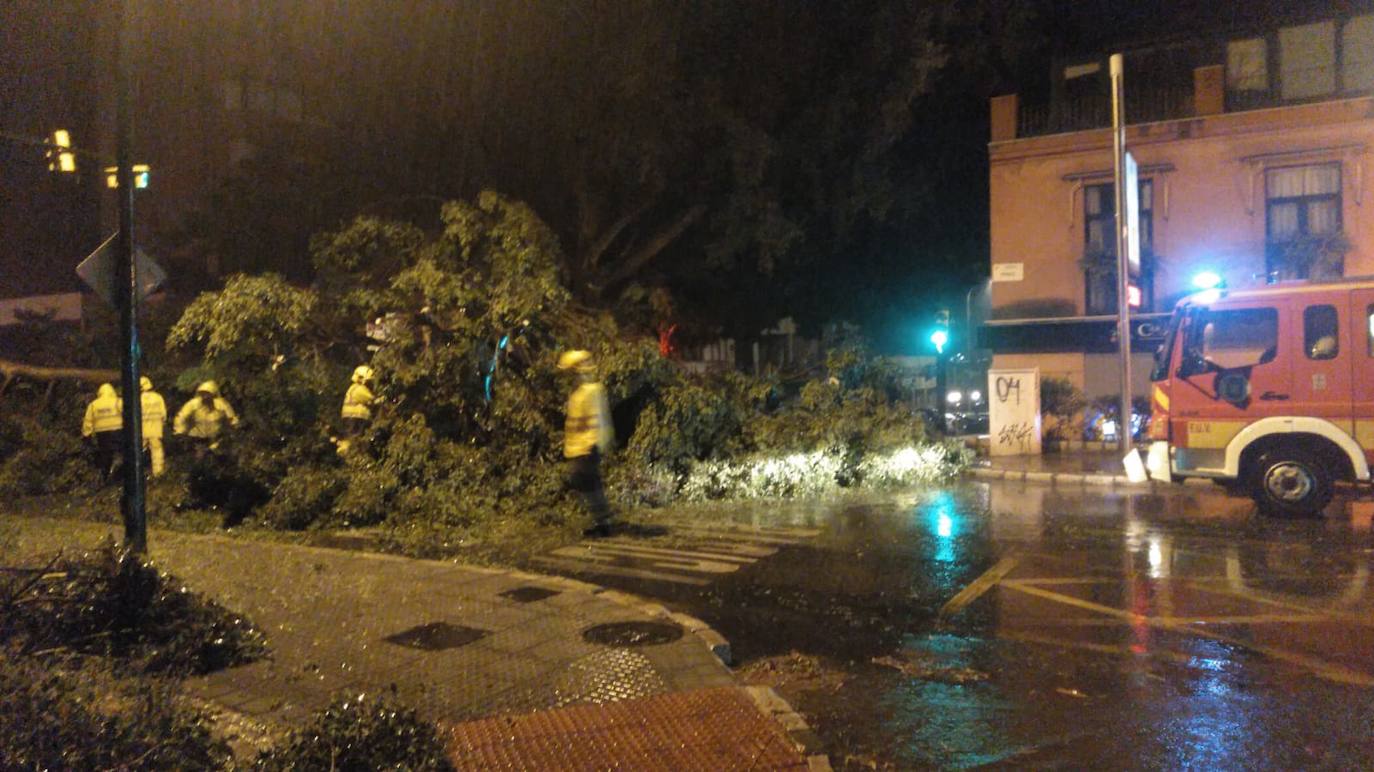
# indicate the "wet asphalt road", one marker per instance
pixel 1080 627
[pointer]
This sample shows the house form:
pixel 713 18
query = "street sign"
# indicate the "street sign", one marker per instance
pixel 98 270
pixel 1131 183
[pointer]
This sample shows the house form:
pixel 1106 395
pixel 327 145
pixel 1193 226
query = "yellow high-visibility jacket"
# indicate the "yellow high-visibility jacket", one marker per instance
pixel 588 425
pixel 357 402
pixel 154 414
pixel 105 413
pixel 197 419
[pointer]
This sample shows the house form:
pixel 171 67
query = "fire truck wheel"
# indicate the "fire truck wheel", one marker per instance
pixel 1292 483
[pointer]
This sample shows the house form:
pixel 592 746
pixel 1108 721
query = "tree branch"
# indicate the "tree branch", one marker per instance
pixel 655 245
pixel 599 247
pixel 12 369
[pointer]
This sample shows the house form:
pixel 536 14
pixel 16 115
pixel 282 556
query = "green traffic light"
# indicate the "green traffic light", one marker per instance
pixel 939 338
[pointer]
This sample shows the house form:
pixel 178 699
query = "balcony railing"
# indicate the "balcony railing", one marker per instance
pixel 1145 104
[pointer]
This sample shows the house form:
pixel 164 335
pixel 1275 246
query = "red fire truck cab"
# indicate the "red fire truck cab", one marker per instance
pixel 1270 388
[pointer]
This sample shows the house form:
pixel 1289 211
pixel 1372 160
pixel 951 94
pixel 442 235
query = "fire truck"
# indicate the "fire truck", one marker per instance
pixel 1270 390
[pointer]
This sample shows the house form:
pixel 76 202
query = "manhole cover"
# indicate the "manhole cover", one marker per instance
pixel 632 633
pixel 528 594
pixel 436 636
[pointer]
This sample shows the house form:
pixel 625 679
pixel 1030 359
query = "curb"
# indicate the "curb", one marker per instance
pixel 1073 478
pixel 771 704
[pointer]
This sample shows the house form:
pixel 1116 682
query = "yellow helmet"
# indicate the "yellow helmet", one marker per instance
pixel 362 374
pixel 145 383
pixel 578 360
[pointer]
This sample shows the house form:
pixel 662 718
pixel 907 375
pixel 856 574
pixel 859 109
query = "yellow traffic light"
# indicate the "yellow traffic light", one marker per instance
pixel 60 156
pixel 141 176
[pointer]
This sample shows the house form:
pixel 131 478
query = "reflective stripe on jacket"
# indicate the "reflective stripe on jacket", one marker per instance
pixel 104 414
pixel 357 402
pixel 154 414
pixel 588 424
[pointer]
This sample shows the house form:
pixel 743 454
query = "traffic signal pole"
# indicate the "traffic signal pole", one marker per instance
pixel 126 291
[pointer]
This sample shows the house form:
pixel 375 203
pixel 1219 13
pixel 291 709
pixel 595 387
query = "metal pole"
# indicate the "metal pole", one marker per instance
pixel 941 385
pixel 1123 308
pixel 126 291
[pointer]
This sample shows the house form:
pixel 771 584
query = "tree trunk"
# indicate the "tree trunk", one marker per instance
pixel 12 370
pixel 641 257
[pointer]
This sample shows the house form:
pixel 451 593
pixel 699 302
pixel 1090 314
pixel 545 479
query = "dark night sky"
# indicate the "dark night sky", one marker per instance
pixel 889 274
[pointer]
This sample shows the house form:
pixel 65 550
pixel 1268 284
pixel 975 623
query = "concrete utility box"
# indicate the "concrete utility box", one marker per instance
pixel 1014 412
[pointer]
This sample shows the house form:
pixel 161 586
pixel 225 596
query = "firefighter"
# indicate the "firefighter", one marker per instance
pixel 202 418
pixel 154 419
pixel 357 407
pixel 104 421
pixel 587 435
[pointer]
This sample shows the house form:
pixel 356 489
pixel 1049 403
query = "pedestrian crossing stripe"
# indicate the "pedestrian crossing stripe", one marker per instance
pixel 696 554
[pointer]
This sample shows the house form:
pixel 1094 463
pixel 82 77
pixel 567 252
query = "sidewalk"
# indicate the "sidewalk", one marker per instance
pixel 463 644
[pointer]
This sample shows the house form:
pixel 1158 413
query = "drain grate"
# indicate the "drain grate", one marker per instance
pixel 528 594
pixel 436 636
pixel 632 633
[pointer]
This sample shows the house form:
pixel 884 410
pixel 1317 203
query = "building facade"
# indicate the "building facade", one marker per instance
pixel 1254 149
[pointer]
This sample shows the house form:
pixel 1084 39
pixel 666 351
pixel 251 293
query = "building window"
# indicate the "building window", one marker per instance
pixel 1369 327
pixel 1099 244
pixel 1303 201
pixel 1320 332
pixel 1247 66
pixel 1357 54
pixel 1307 60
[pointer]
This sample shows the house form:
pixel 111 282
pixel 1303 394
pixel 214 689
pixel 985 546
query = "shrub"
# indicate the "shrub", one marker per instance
pixel 359 735
pixel 1062 404
pixel 79 715
pixel 44 456
pixel 366 495
pixel 104 604
pixel 688 422
pixel 306 494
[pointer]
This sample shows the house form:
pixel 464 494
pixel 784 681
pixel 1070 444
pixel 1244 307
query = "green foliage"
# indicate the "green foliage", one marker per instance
pixel 357 735
pixel 303 495
pixel 106 604
pixel 253 316
pixel 366 495
pixel 688 422
pixel 77 714
pixel 1062 404
pixel 43 454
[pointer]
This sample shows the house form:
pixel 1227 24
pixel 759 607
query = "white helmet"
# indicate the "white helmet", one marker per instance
pixel 362 374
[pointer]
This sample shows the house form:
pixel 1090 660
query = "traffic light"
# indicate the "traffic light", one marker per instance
pixel 141 174
pixel 60 156
pixel 939 336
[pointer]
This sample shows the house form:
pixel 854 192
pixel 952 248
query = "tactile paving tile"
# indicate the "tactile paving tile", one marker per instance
pixel 604 676
pixel 708 729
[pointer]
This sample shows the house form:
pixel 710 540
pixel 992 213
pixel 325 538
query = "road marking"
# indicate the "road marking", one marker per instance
pixel 1320 668
pixel 692 553
pixel 978 586
pixel 696 551
pixel 662 576
pixel 598 553
pixel 1332 614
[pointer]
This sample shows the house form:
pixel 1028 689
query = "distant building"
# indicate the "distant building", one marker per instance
pixel 1254 148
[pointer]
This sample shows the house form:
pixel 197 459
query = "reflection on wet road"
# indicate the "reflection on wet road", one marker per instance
pixel 1007 624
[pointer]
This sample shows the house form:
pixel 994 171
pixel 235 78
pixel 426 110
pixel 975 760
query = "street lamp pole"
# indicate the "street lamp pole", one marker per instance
pixel 1123 306
pixel 126 293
